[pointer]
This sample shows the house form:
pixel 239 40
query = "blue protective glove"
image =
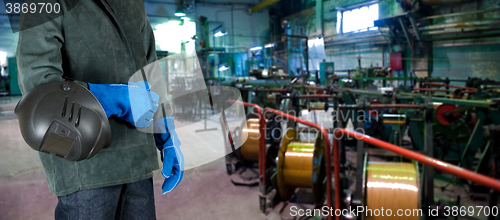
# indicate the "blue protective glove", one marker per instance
pixel 171 155
pixel 132 102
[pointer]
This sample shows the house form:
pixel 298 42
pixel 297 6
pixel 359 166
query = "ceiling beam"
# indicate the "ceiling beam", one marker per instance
pixel 262 5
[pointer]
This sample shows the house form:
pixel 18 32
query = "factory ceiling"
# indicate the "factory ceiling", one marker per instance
pixel 8 39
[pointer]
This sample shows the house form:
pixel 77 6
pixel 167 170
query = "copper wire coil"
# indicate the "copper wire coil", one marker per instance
pixel 392 186
pixel 250 147
pixel 301 165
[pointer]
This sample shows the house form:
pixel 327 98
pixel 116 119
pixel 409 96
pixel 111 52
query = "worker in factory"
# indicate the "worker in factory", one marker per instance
pixel 100 45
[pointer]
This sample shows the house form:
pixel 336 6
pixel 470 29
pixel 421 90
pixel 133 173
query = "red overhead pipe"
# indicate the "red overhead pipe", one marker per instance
pixel 327 160
pixel 262 138
pixel 469 89
pixel 370 106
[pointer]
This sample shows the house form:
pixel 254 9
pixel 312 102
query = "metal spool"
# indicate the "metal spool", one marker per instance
pixel 317 106
pixel 301 165
pixel 250 147
pixel 391 185
pixel 394 119
pixel 445 114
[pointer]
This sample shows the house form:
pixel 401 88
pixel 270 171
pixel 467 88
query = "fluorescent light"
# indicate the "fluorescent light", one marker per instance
pixel 179 14
pixel 219 34
pixel 255 48
pixel 269 45
pixel 223 68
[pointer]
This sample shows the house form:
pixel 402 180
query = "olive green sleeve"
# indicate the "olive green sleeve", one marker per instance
pixel 39 56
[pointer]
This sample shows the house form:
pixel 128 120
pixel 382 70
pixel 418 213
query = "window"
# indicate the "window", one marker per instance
pixel 174 43
pixel 357 19
pixel 3 58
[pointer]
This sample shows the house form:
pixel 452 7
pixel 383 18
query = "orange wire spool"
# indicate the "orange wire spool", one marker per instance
pixel 250 147
pixel 301 165
pixel 445 116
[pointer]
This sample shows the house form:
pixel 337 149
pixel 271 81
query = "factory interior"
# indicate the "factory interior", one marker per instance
pixel 309 109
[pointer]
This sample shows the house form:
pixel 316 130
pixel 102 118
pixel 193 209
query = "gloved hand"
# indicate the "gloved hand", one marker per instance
pixel 171 155
pixel 132 102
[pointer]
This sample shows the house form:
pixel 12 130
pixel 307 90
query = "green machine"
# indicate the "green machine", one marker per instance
pixel 13 82
pixel 326 70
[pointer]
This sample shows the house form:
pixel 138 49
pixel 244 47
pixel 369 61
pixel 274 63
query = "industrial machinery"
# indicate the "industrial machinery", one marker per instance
pixel 241 162
pixel 293 171
pixel 398 137
pixel 409 128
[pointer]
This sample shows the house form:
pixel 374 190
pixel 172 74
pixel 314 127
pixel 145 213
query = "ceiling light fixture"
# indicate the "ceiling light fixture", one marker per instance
pixel 219 34
pixel 255 48
pixel 179 12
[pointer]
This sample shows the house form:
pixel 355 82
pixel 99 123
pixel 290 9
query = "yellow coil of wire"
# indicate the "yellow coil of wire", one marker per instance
pixel 393 119
pixel 250 147
pixel 298 164
pixel 392 186
pixel 301 164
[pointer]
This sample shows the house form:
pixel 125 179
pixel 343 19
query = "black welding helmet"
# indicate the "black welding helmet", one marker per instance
pixel 63 119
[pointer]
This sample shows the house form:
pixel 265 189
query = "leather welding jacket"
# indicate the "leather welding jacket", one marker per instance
pixel 96 41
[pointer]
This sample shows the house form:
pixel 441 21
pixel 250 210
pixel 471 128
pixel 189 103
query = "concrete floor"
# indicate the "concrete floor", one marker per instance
pixel 205 192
